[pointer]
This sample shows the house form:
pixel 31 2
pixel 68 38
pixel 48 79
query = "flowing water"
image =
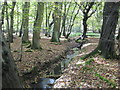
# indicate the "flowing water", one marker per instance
pixel 58 70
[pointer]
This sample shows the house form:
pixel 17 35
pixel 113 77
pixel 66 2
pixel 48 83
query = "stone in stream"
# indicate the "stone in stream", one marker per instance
pixel 45 83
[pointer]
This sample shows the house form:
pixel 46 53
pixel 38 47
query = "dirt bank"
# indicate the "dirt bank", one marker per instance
pixel 35 62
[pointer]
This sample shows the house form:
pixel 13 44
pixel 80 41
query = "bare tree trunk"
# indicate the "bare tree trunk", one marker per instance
pixel 84 26
pixel 10 78
pixel 7 26
pixel 17 19
pixel 118 39
pixel 3 12
pixel 57 21
pixel 49 26
pixel 12 21
pixel 46 32
pixel 25 25
pixel 110 20
pixel 63 21
pixel 37 26
pixel 71 24
pixel 20 33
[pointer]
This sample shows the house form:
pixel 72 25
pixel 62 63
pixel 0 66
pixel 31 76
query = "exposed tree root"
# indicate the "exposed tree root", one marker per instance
pixel 91 54
pixel 97 51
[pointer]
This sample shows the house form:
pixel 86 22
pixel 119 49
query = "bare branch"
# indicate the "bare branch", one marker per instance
pixel 94 11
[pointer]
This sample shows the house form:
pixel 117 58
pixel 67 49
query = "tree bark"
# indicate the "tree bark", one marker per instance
pixel 7 26
pixel 65 18
pixel 63 22
pixel 46 32
pixel 26 23
pixel 20 32
pixel 49 25
pixel 17 19
pixel 118 38
pixel 84 26
pixel 37 26
pixel 3 14
pixel 110 20
pixel 10 78
pixel 71 24
pixel 12 21
pixel 57 22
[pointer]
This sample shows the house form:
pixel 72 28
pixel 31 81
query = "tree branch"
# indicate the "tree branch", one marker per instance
pixel 93 11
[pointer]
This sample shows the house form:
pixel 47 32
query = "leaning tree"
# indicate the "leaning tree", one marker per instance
pixel 10 78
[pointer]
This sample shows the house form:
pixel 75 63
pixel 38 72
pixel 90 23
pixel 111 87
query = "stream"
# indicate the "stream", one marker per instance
pixel 44 83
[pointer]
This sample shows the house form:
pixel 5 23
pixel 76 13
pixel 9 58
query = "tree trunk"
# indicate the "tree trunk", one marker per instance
pixel 84 26
pixel 21 31
pixel 71 25
pixel 37 26
pixel 110 20
pixel 63 22
pixel 118 38
pixel 17 19
pixel 10 78
pixel 12 21
pixel 7 26
pixel 26 23
pixel 9 74
pixel 65 17
pixel 3 12
pixel 46 32
pixel 49 26
pixel 57 22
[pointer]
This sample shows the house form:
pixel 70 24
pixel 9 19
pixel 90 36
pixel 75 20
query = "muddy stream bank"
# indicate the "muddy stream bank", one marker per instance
pixel 55 71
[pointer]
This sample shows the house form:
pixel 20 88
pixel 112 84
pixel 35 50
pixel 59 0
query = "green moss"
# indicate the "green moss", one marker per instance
pixel 106 80
pixel 86 68
pixel 93 53
pixel 88 62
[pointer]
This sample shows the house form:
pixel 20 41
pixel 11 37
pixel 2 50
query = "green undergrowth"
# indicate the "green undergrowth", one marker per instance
pixel 91 34
pixel 106 80
pixel 90 67
pixel 88 62
pixel 91 54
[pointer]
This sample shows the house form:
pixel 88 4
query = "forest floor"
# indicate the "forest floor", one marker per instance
pixel 89 73
pixel 35 63
pixel 93 72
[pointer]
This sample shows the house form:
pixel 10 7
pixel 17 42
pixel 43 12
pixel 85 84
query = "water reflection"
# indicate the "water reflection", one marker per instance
pixel 44 83
pixel 48 82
